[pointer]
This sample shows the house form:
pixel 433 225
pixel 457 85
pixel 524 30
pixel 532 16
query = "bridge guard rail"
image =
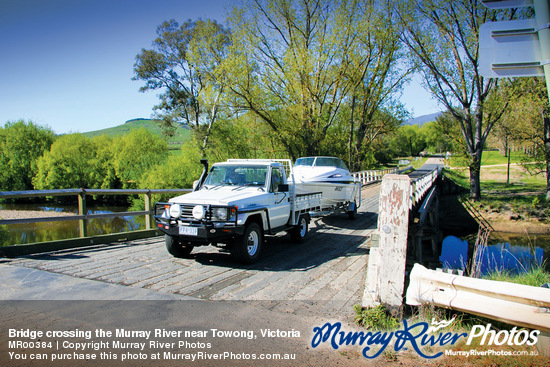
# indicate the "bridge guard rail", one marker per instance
pixel 82 217
pixel 515 304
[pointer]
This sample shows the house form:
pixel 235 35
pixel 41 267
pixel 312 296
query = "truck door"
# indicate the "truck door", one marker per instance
pixel 279 208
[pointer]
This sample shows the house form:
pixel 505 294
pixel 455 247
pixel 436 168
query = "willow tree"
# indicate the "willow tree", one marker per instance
pixel 377 75
pixel 183 64
pixel 443 38
pixel 296 63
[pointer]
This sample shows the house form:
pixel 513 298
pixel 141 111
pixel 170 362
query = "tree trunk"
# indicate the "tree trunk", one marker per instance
pixel 475 176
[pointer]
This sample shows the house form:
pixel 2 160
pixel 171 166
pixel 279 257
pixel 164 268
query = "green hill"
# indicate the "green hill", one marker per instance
pixel 175 142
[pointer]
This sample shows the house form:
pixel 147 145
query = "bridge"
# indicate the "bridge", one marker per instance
pixel 324 276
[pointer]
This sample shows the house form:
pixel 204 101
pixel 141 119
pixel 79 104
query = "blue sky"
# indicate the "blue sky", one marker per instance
pixel 68 64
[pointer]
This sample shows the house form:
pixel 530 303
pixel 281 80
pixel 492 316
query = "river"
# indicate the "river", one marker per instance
pixel 50 231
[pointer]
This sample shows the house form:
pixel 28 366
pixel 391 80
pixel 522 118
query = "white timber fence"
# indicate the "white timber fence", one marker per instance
pixel 420 186
pixel 366 177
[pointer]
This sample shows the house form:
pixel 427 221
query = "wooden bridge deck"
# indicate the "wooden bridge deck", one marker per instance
pixel 324 276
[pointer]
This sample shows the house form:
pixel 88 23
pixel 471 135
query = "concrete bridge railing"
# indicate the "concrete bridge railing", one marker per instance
pixel 399 196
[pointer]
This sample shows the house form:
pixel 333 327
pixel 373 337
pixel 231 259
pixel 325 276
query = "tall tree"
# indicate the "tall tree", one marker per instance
pixel 443 37
pixel 296 63
pixel 377 75
pixel 182 64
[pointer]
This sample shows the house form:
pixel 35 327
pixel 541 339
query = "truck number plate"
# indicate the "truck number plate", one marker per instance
pixel 188 231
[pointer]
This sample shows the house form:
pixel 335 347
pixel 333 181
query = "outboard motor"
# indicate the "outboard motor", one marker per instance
pixel 204 162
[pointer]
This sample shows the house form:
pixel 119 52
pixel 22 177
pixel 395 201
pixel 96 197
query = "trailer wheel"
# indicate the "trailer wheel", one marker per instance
pixel 352 213
pixel 176 248
pixel 299 232
pixel 248 247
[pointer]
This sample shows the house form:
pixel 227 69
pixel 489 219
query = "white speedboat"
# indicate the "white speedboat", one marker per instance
pixel 328 175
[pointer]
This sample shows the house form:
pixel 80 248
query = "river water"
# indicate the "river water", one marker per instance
pixel 505 252
pixel 50 231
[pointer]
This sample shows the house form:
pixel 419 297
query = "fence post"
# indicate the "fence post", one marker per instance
pixel 148 217
pixel 82 225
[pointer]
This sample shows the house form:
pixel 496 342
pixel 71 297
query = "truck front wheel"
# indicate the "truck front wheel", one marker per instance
pixel 247 248
pixel 176 248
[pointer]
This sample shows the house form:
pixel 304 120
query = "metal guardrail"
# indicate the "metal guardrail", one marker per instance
pixel 83 217
pixel 515 304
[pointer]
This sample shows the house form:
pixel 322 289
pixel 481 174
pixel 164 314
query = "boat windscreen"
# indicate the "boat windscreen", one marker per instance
pixel 305 161
pixel 330 162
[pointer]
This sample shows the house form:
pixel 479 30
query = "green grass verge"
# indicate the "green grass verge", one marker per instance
pixel 489 158
pixel 534 277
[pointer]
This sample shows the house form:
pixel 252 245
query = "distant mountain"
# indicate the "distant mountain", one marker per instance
pixel 421 120
pixel 177 140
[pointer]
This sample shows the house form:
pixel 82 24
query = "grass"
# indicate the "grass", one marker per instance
pixel 535 277
pixel 376 318
pixel 524 197
pixel 490 158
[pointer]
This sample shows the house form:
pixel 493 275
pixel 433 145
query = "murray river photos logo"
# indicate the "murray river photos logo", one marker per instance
pixel 417 336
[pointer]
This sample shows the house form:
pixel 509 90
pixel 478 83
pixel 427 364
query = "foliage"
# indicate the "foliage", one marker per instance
pixel 296 63
pixel 443 37
pixel 436 137
pixel 21 144
pixel 528 122
pixel 4 233
pixel 408 141
pixel 244 136
pixel 75 161
pixel 182 64
pixel 376 318
pixel 173 172
pixel 72 162
pixel 135 154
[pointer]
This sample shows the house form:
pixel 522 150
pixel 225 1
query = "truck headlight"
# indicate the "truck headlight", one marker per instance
pixel 175 210
pixel 199 212
pixel 220 213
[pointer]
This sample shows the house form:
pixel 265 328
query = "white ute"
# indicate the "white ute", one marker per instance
pixel 235 205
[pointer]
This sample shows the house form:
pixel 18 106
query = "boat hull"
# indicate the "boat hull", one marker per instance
pixel 334 194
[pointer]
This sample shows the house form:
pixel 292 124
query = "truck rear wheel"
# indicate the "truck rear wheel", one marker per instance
pixel 176 248
pixel 299 232
pixel 247 248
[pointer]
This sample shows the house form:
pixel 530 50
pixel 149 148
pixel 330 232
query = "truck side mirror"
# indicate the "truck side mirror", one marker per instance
pixel 282 188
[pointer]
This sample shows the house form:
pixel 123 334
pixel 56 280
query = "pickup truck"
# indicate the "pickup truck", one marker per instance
pixel 234 206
